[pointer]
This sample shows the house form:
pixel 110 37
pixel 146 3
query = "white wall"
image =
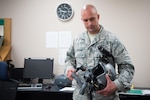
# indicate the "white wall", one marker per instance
pixel 31 19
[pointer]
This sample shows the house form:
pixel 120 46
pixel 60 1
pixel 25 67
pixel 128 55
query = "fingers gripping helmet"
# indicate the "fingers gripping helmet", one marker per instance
pixel 98 77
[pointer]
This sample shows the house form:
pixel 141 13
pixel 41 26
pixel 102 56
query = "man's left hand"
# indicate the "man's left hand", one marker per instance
pixel 109 89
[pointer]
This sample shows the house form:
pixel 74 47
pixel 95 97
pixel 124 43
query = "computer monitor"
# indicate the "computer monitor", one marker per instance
pixel 38 68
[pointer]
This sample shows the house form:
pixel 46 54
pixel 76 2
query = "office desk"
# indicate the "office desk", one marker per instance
pixel 135 94
pixel 134 97
pixel 44 94
pixel 54 93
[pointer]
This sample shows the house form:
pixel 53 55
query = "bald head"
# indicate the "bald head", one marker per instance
pixel 89 7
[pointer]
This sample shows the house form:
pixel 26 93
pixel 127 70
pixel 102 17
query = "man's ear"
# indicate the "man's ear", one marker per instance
pixel 98 16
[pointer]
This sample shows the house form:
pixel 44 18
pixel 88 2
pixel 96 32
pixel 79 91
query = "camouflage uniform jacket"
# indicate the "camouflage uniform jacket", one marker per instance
pixel 83 52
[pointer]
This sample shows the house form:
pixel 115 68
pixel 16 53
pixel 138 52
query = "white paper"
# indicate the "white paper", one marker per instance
pixel 51 39
pixel 146 92
pixel 1 30
pixel 62 56
pixel 67 89
pixel 65 38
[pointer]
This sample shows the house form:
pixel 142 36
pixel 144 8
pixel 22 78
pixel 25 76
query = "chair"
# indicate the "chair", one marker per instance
pixel 8 88
pixel 3 71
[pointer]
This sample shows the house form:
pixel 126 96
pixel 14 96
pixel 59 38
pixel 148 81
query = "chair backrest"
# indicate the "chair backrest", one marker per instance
pixel 8 88
pixel 4 71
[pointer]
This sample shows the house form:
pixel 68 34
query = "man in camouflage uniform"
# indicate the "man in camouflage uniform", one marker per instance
pixel 84 52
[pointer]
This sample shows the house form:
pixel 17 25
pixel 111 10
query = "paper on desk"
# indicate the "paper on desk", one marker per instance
pixel 67 89
pixel 146 92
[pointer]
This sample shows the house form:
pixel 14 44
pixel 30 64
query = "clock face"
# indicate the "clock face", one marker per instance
pixel 64 12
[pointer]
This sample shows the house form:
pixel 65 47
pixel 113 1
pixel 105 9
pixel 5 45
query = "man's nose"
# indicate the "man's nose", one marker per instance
pixel 89 22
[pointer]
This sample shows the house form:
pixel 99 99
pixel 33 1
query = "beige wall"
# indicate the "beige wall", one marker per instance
pixel 31 19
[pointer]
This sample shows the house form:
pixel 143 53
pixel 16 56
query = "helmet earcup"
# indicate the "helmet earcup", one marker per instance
pixel 110 70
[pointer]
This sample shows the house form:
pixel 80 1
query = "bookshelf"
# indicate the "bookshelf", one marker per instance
pixel 5 49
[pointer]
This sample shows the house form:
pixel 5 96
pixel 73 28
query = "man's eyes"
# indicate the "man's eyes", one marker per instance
pixel 85 20
pixel 91 19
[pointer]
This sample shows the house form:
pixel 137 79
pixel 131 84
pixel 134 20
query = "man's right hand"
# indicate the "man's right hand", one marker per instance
pixel 69 73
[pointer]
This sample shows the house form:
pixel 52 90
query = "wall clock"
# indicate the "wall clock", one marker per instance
pixel 64 12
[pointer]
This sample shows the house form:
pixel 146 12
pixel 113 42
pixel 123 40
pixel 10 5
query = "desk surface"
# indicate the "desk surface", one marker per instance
pixel 134 94
pixel 45 93
pixel 134 97
pixel 53 92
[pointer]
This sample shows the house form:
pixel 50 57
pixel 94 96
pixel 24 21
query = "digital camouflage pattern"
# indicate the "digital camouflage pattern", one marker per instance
pixel 86 53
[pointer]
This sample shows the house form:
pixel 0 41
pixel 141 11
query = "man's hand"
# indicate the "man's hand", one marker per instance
pixel 109 89
pixel 69 73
